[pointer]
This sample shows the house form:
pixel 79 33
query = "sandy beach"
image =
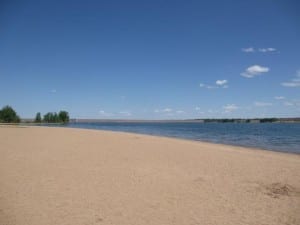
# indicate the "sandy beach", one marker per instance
pixel 83 177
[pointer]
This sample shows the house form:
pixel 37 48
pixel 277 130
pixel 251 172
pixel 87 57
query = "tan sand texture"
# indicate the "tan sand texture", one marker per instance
pixel 63 176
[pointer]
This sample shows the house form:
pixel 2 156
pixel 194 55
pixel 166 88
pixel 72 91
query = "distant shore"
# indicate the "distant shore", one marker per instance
pixel 211 120
pixel 75 176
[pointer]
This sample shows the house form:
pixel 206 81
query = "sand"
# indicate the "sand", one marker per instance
pixel 63 176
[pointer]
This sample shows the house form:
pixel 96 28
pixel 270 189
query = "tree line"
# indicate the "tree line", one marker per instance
pixel 260 120
pixel 61 117
pixel 9 115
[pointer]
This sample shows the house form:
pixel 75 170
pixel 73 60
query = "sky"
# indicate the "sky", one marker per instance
pixel 151 59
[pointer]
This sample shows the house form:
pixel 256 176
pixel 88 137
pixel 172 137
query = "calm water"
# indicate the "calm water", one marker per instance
pixel 283 137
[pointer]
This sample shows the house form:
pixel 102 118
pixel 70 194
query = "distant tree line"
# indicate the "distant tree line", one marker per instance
pixel 261 120
pixel 61 117
pixel 9 115
pixel 268 120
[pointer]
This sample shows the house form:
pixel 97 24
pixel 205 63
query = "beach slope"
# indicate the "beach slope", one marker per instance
pixel 84 177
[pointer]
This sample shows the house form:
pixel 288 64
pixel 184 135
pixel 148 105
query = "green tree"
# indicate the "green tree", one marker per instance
pixel 47 117
pixel 63 116
pixel 9 115
pixel 38 118
pixel 55 118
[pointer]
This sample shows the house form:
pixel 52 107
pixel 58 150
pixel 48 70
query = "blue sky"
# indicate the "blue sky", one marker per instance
pixel 151 59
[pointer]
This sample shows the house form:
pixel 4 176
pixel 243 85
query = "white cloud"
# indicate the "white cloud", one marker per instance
pixel 125 113
pixel 267 50
pixel 211 87
pixel 212 111
pixel 198 109
pixel 179 112
pixel 167 110
pixel 279 97
pixel 248 50
pixel 103 113
pixel 230 108
pixel 291 84
pixel 263 50
pixel 108 114
pixel 207 86
pixel 262 104
pixel 288 104
pixel 294 82
pixel 53 91
pixel 255 70
pixel 293 103
pixel 221 82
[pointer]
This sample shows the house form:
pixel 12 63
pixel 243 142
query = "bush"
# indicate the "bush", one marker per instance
pixel 9 115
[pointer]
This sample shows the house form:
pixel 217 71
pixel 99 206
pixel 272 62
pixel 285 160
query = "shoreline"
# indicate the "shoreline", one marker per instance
pixel 54 175
pixel 176 137
pixel 242 147
pixel 154 135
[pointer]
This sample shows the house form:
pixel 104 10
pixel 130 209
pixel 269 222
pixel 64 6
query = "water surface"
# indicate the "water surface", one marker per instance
pixel 283 137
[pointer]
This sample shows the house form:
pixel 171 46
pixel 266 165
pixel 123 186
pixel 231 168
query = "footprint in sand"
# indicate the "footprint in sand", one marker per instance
pixel 277 190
